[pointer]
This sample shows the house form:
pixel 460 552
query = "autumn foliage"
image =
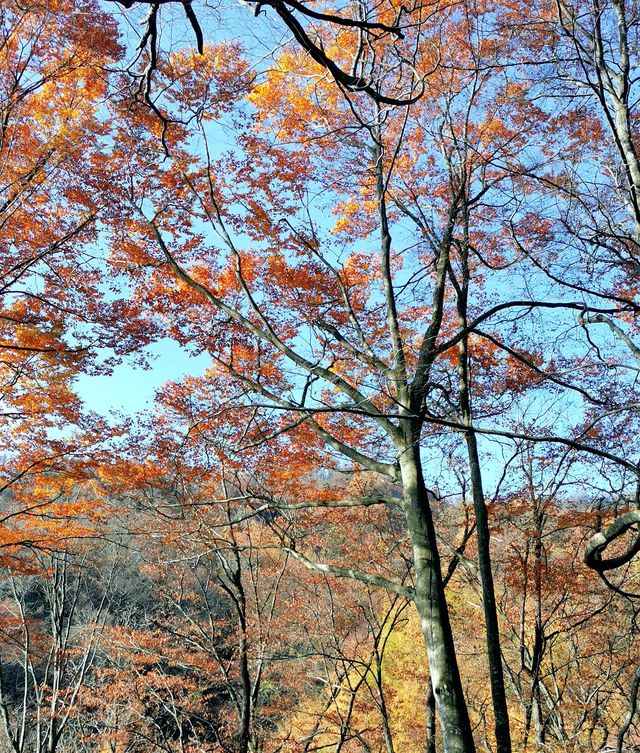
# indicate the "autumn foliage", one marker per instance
pixel 398 509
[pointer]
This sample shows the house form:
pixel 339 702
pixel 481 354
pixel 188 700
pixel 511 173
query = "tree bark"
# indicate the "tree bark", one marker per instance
pixel 494 653
pixel 430 739
pixel 431 604
pixel 492 629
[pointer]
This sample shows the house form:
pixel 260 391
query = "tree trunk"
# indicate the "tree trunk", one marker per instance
pixel 430 739
pixel 432 607
pixel 494 654
pixel 498 695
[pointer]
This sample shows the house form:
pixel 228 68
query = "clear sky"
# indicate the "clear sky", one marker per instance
pixel 131 389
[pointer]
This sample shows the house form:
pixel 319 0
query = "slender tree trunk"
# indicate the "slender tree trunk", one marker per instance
pixel 238 595
pixel 539 641
pixel 431 604
pixel 498 694
pixel 245 718
pixel 494 654
pixel 384 715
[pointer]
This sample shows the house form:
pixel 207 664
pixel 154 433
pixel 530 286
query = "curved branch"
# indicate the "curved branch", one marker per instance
pixel 349 82
pixel 598 543
pixel 346 80
pixel 616 329
pixel 334 19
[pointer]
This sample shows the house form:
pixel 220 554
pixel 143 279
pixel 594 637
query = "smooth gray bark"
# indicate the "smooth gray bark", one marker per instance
pixel 432 607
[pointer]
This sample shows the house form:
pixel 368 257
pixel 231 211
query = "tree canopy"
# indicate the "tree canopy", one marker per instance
pixel 400 508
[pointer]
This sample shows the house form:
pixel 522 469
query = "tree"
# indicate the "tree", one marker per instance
pixel 55 312
pixel 51 629
pixel 359 261
pixel 376 362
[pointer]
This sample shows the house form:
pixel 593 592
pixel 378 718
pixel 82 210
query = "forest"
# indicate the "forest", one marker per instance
pixel 398 509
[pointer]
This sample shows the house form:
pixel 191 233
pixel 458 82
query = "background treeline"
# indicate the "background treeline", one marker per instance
pixel 188 628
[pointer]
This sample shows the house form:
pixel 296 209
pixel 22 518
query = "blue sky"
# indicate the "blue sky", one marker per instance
pixel 131 389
